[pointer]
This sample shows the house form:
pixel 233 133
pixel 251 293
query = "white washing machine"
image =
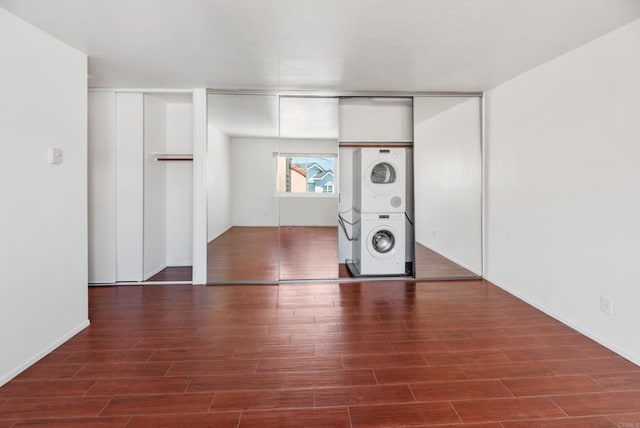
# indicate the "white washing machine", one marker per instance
pixel 380 245
pixel 379 180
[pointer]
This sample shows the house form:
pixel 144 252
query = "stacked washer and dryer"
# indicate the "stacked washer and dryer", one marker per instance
pixel 379 205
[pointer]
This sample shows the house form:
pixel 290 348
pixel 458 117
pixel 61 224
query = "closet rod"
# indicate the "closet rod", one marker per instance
pixel 169 159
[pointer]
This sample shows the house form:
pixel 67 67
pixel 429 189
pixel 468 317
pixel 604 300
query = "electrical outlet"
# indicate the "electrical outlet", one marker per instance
pixel 54 155
pixel 606 304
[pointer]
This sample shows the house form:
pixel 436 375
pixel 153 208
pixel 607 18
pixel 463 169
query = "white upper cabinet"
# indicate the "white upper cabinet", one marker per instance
pixel 376 119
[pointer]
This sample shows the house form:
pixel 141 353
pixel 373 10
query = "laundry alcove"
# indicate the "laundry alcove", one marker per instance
pixel 281 175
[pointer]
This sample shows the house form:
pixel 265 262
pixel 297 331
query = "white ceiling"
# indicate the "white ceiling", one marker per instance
pixel 396 45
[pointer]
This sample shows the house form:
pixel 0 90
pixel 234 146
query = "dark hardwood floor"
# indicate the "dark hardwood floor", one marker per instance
pixel 370 354
pixel 430 264
pixel 308 252
pixel 248 254
pixel 173 273
pixel 243 254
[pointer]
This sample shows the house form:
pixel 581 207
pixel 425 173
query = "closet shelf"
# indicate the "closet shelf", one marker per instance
pixel 170 157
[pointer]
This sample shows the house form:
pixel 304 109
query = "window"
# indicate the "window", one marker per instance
pixel 306 174
pixel 327 188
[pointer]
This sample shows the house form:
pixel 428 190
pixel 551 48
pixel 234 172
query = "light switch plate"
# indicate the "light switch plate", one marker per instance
pixel 54 155
pixel 606 304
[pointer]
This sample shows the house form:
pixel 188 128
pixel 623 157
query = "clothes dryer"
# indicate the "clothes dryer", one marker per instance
pixel 380 180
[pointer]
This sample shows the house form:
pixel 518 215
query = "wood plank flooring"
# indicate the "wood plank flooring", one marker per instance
pixel 173 273
pixel 245 254
pixel 430 264
pixel 370 354
pixel 308 252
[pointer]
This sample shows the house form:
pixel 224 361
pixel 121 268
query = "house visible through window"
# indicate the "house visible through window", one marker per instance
pixel 306 174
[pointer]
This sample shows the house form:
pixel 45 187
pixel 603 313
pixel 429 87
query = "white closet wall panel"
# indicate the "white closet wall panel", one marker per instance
pixel 155 185
pixel 179 214
pixel 179 197
pixel 129 133
pixel 101 175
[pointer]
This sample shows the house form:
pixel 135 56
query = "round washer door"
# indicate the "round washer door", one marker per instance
pixel 382 242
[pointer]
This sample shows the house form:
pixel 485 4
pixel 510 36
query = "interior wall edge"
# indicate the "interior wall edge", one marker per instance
pixel 564 240
pixel 579 328
pixel 44 220
pixel 44 352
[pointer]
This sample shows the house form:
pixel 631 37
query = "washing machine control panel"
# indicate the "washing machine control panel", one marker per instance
pixel 391 218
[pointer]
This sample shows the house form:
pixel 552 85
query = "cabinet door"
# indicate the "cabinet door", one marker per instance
pixel 394 120
pixel 115 187
pixel 101 194
pixel 129 137
pixel 382 119
pixel 357 120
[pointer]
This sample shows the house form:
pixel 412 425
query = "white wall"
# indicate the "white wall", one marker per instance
pixel 179 197
pixel 448 180
pixel 253 182
pixel 218 183
pixel 308 211
pixel 563 204
pixel 101 194
pixel 43 221
pixel 155 185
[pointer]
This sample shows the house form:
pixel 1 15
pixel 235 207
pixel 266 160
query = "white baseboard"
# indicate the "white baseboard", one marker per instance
pixel 31 361
pixel 180 263
pixel 618 350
